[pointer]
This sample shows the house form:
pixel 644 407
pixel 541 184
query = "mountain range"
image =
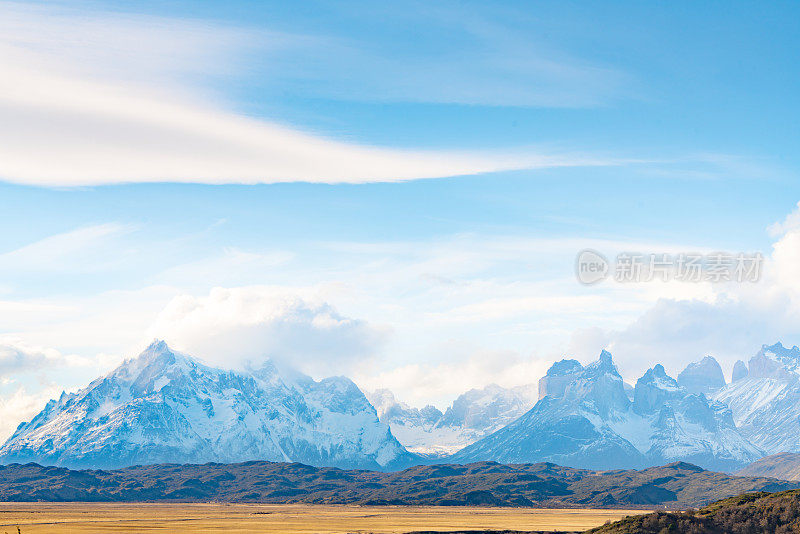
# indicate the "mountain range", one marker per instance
pixel 164 406
pixel 765 398
pixel 473 415
pixel 587 419
pixel 167 407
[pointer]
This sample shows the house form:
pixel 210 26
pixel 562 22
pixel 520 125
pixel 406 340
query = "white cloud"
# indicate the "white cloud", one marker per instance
pixel 244 326
pixel 406 314
pixel 731 323
pixel 422 383
pixel 21 406
pixel 516 295
pixel 790 222
pixel 28 376
pixel 112 323
pixel 88 100
pixel 17 357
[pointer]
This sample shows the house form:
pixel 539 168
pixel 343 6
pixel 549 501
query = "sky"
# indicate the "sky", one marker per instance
pixel 395 192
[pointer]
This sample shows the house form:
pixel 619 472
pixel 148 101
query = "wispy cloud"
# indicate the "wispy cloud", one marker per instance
pixel 447 53
pixel 87 100
pixel 64 250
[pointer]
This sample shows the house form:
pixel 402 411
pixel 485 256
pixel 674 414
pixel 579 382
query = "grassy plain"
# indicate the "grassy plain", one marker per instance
pixel 83 518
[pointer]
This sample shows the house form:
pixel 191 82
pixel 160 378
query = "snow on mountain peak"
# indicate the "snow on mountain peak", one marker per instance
pixel 654 389
pixel 472 415
pixel 164 406
pixel 789 358
pixel 764 397
pixel 775 361
pixel 595 425
pixel 603 365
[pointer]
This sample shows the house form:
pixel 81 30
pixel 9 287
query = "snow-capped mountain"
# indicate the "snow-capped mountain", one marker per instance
pixel 164 406
pixel 413 427
pixel 472 415
pixel 586 419
pixel 765 398
pixel 488 409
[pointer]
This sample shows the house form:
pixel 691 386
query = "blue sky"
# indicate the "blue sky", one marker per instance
pixel 391 191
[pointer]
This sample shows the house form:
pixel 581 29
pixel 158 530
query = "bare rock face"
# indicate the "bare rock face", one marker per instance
pixel 558 377
pixel 739 371
pixel 703 377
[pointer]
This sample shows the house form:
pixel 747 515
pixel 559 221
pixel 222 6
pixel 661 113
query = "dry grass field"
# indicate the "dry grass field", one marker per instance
pixel 78 518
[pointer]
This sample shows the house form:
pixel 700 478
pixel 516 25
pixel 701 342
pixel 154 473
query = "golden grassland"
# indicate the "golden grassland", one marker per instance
pixel 84 518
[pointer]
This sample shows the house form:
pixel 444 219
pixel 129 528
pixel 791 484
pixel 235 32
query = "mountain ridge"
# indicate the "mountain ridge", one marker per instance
pixel 765 398
pixel 164 406
pixel 472 415
pixel 586 419
pixel 678 485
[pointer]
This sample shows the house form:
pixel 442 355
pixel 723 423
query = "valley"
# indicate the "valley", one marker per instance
pixel 85 518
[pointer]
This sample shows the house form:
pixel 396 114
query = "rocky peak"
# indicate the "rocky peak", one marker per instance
pixel 392 411
pixel 558 377
pixel 703 377
pixel 788 358
pixel 153 368
pixel 739 371
pixel 600 384
pixel 655 388
pixel 603 366
pixel 478 407
pixel 430 414
pixel 775 361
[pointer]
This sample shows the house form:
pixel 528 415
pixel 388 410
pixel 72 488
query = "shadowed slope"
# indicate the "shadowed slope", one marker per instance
pixel 677 485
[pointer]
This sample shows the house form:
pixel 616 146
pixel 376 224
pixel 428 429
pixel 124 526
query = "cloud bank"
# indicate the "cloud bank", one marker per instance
pixel 731 323
pixel 17 357
pixel 245 326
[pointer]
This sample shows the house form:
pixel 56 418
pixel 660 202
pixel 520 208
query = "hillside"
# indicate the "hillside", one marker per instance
pixel 677 485
pixel 785 465
pixel 754 513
